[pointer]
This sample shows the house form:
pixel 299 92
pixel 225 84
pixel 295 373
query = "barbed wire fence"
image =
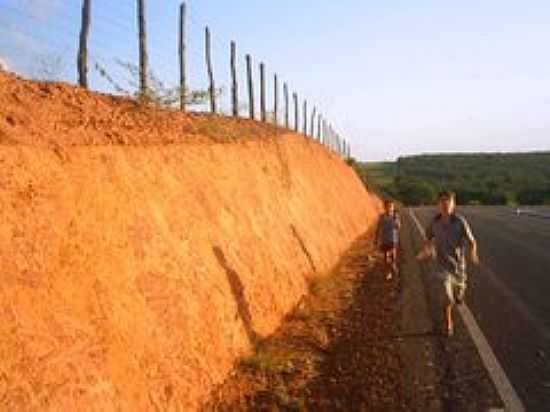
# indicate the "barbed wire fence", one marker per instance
pixel 188 67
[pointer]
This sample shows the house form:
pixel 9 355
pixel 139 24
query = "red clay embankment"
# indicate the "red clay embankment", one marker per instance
pixel 143 250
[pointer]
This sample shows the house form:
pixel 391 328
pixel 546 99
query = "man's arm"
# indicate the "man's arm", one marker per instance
pixel 427 250
pixel 472 244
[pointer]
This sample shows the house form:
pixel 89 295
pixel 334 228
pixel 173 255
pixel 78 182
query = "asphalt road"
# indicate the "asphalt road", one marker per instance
pixel 509 294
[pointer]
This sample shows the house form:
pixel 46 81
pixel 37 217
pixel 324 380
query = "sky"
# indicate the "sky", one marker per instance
pixel 394 77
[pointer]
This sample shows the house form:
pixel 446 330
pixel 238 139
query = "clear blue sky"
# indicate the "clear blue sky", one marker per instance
pixel 395 77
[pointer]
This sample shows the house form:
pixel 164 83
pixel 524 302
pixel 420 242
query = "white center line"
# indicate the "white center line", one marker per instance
pixel 507 393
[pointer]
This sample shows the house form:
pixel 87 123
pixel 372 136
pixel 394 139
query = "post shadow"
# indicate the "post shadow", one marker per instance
pixel 237 289
pixel 303 247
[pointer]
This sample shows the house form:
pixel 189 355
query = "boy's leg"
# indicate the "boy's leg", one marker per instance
pixel 395 269
pixel 388 264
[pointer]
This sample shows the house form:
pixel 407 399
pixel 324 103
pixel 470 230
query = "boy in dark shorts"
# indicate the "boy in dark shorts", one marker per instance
pixel 449 235
pixel 387 237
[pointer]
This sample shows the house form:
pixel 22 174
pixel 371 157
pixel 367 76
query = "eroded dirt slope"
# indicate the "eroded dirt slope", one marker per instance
pixel 142 250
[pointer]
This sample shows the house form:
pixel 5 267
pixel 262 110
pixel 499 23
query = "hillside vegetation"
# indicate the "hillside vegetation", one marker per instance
pixel 489 179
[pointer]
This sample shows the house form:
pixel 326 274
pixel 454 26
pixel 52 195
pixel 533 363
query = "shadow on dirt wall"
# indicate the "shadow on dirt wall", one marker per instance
pixel 237 288
pixel 355 348
pixel 304 248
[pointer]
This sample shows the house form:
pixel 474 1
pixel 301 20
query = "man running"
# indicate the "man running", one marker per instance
pixel 387 237
pixel 450 235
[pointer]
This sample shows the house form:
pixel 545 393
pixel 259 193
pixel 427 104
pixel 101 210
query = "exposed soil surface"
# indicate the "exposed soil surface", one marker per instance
pixel 58 114
pixel 143 251
pixel 337 351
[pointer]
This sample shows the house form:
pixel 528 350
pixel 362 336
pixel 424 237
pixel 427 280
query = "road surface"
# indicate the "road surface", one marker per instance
pixel 509 294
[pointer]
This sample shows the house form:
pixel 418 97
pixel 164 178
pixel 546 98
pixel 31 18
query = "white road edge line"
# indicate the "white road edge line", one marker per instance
pixel 512 402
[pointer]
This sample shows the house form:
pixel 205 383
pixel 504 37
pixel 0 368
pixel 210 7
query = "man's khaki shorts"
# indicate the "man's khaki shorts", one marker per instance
pixel 454 287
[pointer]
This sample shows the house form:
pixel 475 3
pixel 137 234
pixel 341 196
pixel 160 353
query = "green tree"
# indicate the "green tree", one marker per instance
pixel 414 192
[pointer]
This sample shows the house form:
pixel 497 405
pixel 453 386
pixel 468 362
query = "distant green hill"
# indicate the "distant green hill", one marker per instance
pixel 481 178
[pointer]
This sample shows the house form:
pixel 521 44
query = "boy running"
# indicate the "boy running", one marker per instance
pixel 387 237
pixel 450 235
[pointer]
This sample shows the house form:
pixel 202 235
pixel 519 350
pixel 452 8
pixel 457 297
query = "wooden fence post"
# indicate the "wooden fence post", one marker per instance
pixel 312 125
pixel 275 100
pixel 143 58
pixel 182 48
pixel 83 46
pixel 305 118
pixel 263 114
pixel 295 95
pixel 319 119
pixel 250 86
pixel 208 55
pixel 234 85
pixel 287 116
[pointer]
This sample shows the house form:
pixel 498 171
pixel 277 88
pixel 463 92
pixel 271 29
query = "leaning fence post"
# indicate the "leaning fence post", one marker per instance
pixel 211 87
pixel 83 46
pixel 287 116
pixel 319 117
pixel 143 58
pixel 234 85
pixel 295 95
pixel 262 93
pixel 250 86
pixel 182 48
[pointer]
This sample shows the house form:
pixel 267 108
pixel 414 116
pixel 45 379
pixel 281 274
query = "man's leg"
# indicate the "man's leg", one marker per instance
pixel 449 326
pixel 448 311
pixel 459 290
